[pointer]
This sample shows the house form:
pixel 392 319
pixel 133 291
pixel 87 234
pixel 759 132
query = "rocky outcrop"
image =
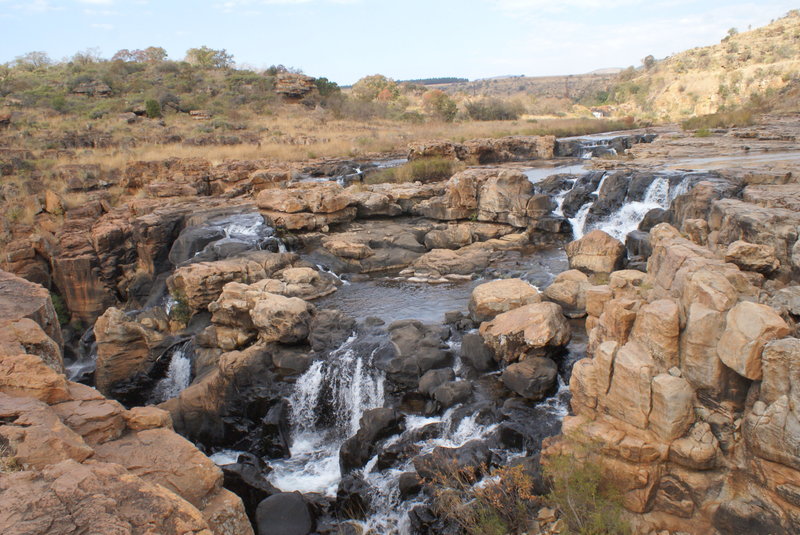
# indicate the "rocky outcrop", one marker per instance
pixel 22 299
pixel 306 206
pixel 597 252
pixel 487 150
pixel 685 396
pixel 293 85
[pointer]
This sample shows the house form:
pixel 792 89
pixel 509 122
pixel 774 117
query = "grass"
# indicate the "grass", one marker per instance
pixel 723 119
pixel 423 170
pixel 8 463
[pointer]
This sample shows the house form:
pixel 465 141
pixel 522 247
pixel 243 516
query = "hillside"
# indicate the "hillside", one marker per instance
pixel 745 68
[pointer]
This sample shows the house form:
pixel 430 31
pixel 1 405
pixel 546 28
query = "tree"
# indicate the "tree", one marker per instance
pixel 151 54
pixel 33 60
pixel 87 57
pixel 649 62
pixel 152 108
pixel 376 87
pixel 326 88
pixel 208 58
pixel 439 104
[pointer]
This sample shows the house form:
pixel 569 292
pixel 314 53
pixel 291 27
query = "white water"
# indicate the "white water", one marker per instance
pixel 179 374
pixel 627 218
pixel 341 388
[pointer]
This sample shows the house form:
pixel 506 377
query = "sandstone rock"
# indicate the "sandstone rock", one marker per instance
pixel 95 420
pixel 200 284
pixel 569 290
pixel 627 284
pixel 347 249
pixel 68 498
pixel 596 299
pixel 533 378
pixel 698 451
pixel 453 237
pixel 125 348
pixel 437 149
pixel 504 197
pixel 144 418
pixel 657 328
pixel 630 394
pixel 312 197
pixel 773 431
pixel 531 330
pixel 493 298
pixel 226 515
pixel 22 299
pixel 672 407
pixel 749 327
pixel 307 220
pixel 162 457
pixel 281 319
pixel 26 336
pixel 293 85
pixel 440 263
pixel 27 375
pixel 372 204
pixel 597 252
pixel 752 257
pixel 35 434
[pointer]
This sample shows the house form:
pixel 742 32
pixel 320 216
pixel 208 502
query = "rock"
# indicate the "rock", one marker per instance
pixel 467 461
pixel 143 418
pixel 293 86
pixel 162 457
pixel 312 197
pixel 698 451
pixel 409 484
pixel 596 252
pixel 493 298
pixel 417 349
pixel 657 328
pixel 531 330
pixel 96 420
pixel 752 257
pixel 448 394
pixel 533 378
pixel 629 396
pixel 374 425
pixel 511 148
pixel 476 353
pixel 373 204
pixel 29 376
pixel 673 407
pixel 452 237
pixel 26 336
pixel 437 149
pixel 569 290
pixel 193 240
pixel 435 378
pixel 247 477
pixel 780 363
pixel 69 497
pixel 504 198
pixel 787 300
pixel 443 262
pixel 749 327
pixel 346 249
pixel 22 299
pixel 285 513
pixel 329 329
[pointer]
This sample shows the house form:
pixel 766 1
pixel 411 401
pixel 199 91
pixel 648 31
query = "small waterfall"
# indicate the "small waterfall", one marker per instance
pixel 327 404
pixel 559 199
pixel 85 363
pixel 579 221
pixel 179 375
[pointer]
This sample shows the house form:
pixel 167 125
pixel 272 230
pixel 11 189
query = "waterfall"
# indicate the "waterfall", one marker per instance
pixel 579 221
pixel 179 375
pixel 327 403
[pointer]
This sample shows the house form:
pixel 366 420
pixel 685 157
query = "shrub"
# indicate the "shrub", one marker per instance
pixel 586 504
pixel 61 308
pixel 723 119
pixel 494 109
pixel 180 311
pixel 152 108
pixel 440 105
pixel 502 503
pixel 424 170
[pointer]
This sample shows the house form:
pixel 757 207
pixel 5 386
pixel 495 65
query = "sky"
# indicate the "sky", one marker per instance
pixel 345 40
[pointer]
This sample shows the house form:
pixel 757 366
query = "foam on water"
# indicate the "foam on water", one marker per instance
pixel 179 375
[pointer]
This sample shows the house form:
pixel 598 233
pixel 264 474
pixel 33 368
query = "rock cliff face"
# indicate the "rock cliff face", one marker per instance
pixel 75 461
pixel 686 399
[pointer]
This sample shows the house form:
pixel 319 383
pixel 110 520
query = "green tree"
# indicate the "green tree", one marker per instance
pixel 649 62
pixel 327 88
pixel 439 104
pixel 152 108
pixel 208 58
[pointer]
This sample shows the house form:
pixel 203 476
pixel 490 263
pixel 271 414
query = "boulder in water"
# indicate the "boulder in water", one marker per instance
pixel 435 378
pixel 476 353
pixel 451 393
pixel 285 513
pixel 493 298
pixel 466 461
pixel 532 330
pixel 375 424
pixel 247 478
pixel 281 319
pixel 533 378
pixel 353 497
pixel 597 252
pixel 569 290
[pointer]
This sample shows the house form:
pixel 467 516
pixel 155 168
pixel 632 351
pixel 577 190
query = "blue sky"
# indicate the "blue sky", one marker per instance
pixel 347 39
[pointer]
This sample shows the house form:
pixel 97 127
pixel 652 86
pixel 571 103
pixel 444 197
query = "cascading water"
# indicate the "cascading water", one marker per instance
pixel 327 403
pixel 178 377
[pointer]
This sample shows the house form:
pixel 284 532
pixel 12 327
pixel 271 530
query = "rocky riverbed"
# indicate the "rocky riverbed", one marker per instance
pixel 308 353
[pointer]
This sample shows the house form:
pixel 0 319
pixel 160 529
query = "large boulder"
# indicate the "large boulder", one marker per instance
pixel 533 378
pixel 374 425
pixel 285 513
pixel 417 348
pixel 493 298
pixel 531 330
pixel 22 299
pixel 313 197
pixel 749 327
pixel 281 319
pixel 569 290
pixel 26 336
pixel 752 257
pixel 597 252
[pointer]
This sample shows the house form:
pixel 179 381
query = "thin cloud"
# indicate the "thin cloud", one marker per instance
pixel 102 26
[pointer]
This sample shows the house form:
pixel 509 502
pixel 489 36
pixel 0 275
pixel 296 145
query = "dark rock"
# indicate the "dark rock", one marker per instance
pixel 290 360
pixel 375 424
pixel 410 485
pixel 247 478
pixel 417 349
pixel 747 515
pixel 353 497
pixel 191 241
pixel 329 329
pixel 581 193
pixel 451 393
pixel 285 513
pixel 434 378
pixel 533 378
pixel 654 217
pixel 276 437
pixel 476 353
pixel 468 460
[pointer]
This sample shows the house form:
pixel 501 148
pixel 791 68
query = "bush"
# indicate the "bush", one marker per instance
pixel 723 119
pixel 502 503
pixel 584 502
pixel 152 108
pixel 494 109
pixel 61 308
